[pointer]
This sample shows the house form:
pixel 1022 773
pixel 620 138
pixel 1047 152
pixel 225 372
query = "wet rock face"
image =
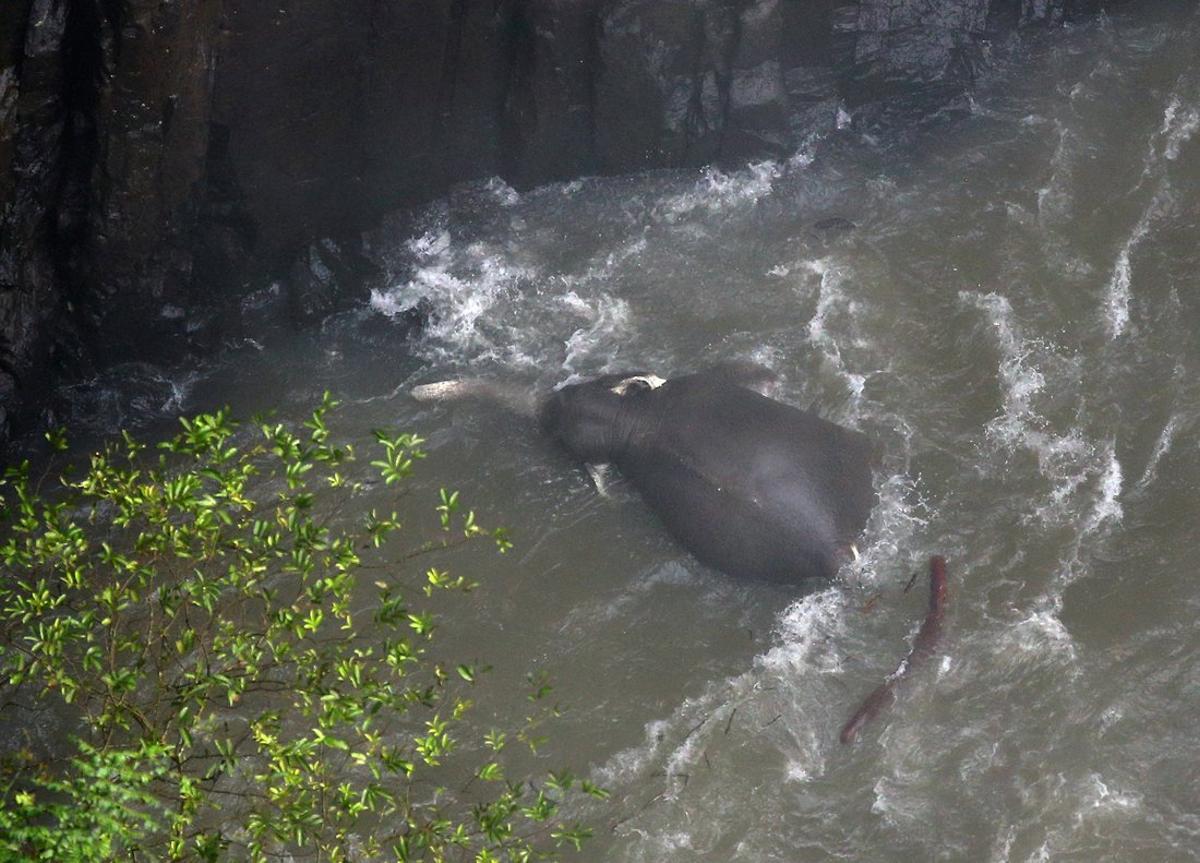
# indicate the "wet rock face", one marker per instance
pixel 159 159
pixel 328 276
pixel 103 112
pixel 663 67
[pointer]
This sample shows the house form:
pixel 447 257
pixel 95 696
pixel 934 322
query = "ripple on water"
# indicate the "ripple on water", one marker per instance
pixel 1022 441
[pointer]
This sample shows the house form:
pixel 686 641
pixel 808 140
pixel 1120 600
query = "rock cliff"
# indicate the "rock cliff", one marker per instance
pixel 159 157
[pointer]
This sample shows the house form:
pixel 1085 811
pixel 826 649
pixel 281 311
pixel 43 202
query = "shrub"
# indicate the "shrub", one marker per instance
pixel 235 689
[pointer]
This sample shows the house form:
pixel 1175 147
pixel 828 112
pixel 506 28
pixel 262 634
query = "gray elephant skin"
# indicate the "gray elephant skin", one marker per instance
pixel 749 485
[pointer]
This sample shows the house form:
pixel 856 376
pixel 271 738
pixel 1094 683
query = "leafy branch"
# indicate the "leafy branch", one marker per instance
pixel 194 612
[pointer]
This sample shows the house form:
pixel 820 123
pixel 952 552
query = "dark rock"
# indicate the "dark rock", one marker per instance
pixel 410 323
pixel 327 276
pixel 548 112
pixel 757 116
pixel 662 81
pixel 8 390
pixel 175 156
pixel 898 46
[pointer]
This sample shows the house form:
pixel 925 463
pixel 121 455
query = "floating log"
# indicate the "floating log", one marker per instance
pixel 924 646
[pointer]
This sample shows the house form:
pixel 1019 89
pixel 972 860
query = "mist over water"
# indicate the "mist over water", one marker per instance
pixel 1014 318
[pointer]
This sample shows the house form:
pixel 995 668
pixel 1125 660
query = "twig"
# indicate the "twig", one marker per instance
pixel 912 581
pixel 696 728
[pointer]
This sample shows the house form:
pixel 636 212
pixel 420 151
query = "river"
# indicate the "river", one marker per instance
pixel 1013 315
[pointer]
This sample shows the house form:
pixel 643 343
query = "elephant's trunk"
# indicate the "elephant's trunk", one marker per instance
pixel 519 400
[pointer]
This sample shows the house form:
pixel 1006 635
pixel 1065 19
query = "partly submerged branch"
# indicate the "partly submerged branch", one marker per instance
pixel 924 646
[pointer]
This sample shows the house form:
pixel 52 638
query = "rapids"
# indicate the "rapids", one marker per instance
pixel 1014 316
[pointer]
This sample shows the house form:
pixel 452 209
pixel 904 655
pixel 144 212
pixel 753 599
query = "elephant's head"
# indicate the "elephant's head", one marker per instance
pixel 594 419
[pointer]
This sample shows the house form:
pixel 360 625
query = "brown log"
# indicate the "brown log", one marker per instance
pixel 924 646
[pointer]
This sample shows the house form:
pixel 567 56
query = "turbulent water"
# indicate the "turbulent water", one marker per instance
pixel 1014 317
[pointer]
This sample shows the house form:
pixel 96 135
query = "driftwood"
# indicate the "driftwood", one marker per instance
pixel 924 646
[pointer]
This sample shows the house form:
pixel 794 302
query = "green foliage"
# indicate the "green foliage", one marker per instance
pixel 235 689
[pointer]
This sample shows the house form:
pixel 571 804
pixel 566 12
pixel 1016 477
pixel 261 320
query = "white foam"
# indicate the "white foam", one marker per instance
pixel 1020 380
pixel 486 307
pixel 1119 291
pixel 433 242
pixel 1100 799
pixel 1108 507
pixel 673 841
pixel 1161 447
pixel 1054 199
pixel 1067 459
pixel 1117 301
pixel 503 193
pixel 800 160
pixel 895 801
pixel 1002 849
pixel 716 190
pixel 677 736
pixel 804 631
pixel 461 302
pixel 1041 633
pixel 1178 126
pixel 602 269
pixel 181 388
pixel 608 324
pixel 8 82
pixel 899 515
pixel 835 309
pixel 629 763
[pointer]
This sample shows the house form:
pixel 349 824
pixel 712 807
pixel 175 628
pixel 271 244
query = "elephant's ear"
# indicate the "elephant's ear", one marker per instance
pixel 743 373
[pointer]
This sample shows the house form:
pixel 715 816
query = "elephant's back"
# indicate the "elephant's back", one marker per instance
pixel 729 532
pixel 756 482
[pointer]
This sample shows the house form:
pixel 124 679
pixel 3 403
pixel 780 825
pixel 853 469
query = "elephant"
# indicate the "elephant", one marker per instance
pixel 749 485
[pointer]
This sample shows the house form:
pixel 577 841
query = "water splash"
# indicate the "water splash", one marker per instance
pixel 1067 459
pixel 834 304
pixel 1179 124
pixel 717 191
pixel 1054 198
pixel 608 323
pixel 1161 447
pixel 1107 508
pixel 803 629
pixel 1118 293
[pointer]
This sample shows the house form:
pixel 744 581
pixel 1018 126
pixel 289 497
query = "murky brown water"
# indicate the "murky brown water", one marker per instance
pixel 1015 318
